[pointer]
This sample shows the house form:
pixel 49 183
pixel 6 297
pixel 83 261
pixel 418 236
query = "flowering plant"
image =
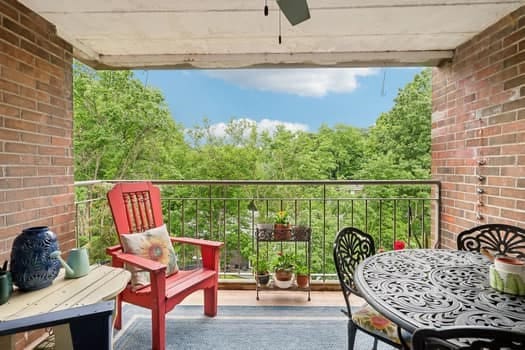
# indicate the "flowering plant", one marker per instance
pixel 398 245
pixel 284 261
pixel 281 217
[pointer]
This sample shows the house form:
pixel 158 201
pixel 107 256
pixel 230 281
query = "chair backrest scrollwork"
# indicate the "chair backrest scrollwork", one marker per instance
pixel 351 246
pixel 498 239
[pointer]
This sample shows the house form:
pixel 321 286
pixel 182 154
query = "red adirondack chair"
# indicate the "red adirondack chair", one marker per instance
pixel 136 207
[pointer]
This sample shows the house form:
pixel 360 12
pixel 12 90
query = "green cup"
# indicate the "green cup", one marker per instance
pixel 6 286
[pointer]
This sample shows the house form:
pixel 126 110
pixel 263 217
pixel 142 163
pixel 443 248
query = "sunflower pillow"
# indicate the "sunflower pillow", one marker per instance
pixel 153 244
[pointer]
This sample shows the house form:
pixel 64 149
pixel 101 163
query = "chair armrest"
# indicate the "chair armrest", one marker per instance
pixel 210 250
pixel 197 242
pixel 113 249
pixel 135 260
pixel 118 258
pixel 157 271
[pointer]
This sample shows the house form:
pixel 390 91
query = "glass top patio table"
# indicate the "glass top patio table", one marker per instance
pixel 437 288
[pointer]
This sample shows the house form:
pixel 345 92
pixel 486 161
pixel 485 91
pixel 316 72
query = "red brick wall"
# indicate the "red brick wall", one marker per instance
pixel 36 121
pixel 478 129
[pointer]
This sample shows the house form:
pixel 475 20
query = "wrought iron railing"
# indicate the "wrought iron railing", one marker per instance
pixel 407 210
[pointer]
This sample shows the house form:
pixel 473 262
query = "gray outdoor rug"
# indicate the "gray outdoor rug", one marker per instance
pixel 243 328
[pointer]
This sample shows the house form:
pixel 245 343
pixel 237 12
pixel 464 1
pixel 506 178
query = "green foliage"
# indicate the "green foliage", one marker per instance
pixel 398 146
pixel 95 225
pixel 260 267
pixel 124 130
pixel 301 265
pixel 342 149
pixel 281 217
pixel 283 261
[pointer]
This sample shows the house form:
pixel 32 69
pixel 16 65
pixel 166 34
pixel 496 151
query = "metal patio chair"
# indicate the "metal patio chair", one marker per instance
pixel 352 246
pixel 467 338
pixel 497 239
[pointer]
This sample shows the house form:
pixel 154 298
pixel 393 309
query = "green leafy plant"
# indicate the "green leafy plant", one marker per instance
pixel 282 217
pixel 301 267
pixel 284 262
pixel 260 267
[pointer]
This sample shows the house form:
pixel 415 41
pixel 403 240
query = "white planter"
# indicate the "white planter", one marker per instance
pixel 282 284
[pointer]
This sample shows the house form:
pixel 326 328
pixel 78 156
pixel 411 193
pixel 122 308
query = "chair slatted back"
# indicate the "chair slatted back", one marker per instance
pixel 135 207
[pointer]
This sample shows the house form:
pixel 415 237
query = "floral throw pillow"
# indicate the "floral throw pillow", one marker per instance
pixel 368 318
pixel 153 244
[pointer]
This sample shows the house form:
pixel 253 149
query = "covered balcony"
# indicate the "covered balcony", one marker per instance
pixel 478 126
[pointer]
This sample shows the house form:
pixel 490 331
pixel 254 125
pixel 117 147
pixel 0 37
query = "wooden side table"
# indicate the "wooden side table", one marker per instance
pixel 101 283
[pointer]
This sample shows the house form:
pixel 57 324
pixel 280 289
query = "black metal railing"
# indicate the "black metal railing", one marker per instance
pixel 407 210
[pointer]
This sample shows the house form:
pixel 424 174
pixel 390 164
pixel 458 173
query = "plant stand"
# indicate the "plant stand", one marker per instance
pixel 300 236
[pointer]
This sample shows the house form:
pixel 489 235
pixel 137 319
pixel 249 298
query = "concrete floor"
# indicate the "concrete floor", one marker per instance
pixel 276 298
pixel 248 298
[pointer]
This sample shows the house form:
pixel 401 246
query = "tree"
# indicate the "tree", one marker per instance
pixel 122 128
pixel 398 146
pixel 343 148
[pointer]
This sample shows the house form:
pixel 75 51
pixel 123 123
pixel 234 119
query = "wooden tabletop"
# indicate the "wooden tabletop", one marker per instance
pixel 101 283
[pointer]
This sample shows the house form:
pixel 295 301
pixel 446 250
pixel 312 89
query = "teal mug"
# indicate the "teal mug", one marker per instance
pixel 6 286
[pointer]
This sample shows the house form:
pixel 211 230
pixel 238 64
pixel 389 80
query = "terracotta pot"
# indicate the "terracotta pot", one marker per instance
pixel 302 281
pixel 283 275
pixel 282 232
pixel 283 279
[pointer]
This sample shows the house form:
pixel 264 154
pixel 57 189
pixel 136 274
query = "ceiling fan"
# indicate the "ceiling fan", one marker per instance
pixel 296 11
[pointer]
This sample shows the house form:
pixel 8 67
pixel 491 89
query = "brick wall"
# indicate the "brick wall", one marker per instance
pixel 36 161
pixel 478 130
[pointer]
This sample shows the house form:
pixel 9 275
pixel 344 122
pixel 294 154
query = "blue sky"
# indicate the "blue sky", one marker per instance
pixel 300 98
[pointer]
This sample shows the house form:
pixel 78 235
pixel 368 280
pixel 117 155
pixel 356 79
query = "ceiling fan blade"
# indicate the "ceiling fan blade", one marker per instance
pixel 296 11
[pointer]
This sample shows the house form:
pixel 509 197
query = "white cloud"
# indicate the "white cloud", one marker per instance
pixel 302 82
pixel 219 129
pixel 271 125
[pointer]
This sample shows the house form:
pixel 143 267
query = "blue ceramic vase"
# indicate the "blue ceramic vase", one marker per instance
pixel 32 267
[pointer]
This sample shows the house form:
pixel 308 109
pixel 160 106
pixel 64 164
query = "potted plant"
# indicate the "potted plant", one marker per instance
pixel 302 276
pixel 264 226
pixel 281 229
pixel 301 232
pixel 283 266
pixel 261 270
